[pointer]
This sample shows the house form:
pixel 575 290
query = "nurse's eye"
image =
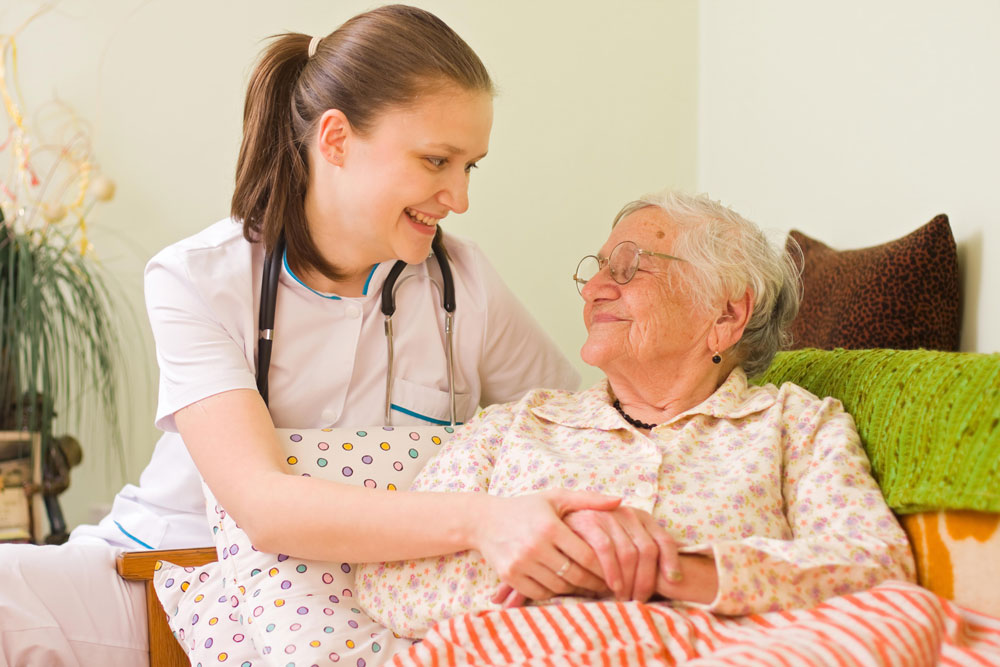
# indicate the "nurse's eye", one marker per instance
pixel 469 167
pixel 437 162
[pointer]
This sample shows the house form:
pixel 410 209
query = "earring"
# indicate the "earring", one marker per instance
pixel 716 359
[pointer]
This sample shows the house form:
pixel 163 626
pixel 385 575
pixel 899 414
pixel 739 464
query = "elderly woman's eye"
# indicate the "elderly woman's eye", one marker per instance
pixel 436 161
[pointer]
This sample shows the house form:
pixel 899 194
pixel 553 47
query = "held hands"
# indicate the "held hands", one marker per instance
pixel 637 558
pixel 527 541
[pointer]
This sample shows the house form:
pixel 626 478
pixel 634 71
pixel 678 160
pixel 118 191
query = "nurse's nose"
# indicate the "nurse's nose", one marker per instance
pixel 455 194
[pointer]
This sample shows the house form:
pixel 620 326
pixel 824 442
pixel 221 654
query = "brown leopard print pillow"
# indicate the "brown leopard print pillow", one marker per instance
pixel 903 294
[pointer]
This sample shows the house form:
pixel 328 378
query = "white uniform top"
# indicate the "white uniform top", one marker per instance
pixel 328 360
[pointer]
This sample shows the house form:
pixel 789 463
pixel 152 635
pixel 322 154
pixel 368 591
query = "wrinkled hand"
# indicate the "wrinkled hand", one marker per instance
pixel 633 549
pixel 527 542
pixel 634 554
pixel 698 580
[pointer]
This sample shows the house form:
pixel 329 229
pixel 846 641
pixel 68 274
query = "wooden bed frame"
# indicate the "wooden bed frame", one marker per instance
pixel 164 651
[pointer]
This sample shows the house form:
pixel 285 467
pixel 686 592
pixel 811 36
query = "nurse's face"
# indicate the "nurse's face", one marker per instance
pixel 394 184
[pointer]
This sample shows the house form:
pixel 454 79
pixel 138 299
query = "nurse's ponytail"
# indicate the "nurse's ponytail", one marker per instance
pixel 375 62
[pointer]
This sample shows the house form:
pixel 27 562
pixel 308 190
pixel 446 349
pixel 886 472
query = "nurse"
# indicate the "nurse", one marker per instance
pixel 356 147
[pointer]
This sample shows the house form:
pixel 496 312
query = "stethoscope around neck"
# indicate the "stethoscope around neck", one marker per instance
pixel 268 299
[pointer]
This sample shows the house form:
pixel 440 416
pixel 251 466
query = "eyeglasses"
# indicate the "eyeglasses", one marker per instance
pixel 623 262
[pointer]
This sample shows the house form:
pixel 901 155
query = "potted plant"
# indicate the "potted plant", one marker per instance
pixel 59 341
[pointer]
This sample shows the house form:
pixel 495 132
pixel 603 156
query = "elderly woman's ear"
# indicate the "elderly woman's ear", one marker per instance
pixel 730 323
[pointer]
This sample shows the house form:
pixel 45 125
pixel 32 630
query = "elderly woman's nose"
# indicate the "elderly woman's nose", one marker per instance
pixel 600 285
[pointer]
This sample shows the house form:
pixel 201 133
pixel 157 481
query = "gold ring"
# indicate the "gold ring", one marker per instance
pixel 561 572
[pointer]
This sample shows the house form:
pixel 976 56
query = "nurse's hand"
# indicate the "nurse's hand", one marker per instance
pixel 526 541
pixel 634 551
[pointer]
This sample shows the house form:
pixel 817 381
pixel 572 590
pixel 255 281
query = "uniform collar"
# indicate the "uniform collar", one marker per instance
pixel 371 284
pixel 593 407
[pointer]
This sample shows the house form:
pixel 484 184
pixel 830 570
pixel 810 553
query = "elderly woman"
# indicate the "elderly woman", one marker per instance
pixel 739 498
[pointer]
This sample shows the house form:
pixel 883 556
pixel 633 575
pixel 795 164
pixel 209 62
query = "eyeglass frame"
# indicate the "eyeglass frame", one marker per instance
pixel 605 261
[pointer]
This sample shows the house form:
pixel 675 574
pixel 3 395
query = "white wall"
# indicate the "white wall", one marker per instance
pixel 597 105
pixel 858 121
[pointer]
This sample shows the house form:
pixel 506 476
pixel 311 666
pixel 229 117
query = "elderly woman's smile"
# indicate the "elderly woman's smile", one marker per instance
pixel 650 320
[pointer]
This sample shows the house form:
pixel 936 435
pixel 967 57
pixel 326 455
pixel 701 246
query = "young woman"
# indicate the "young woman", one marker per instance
pixel 356 147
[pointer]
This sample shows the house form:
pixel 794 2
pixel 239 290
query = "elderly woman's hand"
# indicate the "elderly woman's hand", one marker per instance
pixel 699 580
pixel 636 557
pixel 633 549
pixel 535 553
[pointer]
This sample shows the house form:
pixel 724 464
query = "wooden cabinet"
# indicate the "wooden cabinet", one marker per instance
pixel 22 509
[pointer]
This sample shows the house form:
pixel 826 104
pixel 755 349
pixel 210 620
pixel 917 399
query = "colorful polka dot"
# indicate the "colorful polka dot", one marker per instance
pixel 295 437
pixel 347 446
pixel 347 471
pixel 292 460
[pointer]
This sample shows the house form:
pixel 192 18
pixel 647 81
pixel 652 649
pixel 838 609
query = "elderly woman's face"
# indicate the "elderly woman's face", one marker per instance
pixel 645 321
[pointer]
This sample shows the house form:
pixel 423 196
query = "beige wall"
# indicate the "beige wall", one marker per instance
pixel 858 121
pixel 597 105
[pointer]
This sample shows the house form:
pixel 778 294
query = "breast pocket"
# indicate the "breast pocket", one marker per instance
pixel 414 403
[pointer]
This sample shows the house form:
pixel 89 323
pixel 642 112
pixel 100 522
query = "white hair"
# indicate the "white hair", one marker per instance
pixel 728 255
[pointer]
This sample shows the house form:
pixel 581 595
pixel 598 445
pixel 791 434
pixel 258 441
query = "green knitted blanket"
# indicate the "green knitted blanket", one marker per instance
pixel 928 420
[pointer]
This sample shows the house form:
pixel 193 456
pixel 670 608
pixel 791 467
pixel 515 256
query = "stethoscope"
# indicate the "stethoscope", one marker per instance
pixel 269 294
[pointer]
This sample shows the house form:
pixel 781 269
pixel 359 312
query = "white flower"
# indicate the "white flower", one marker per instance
pixel 103 188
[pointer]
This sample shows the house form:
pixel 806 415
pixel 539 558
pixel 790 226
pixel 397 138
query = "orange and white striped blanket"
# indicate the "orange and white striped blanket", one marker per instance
pixel 895 623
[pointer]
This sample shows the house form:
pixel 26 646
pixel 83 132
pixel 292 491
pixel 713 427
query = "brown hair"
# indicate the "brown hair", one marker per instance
pixel 377 61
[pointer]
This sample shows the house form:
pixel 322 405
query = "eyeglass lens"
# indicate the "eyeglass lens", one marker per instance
pixel 624 261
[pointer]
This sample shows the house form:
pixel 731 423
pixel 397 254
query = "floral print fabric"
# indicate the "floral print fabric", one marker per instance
pixel 771 482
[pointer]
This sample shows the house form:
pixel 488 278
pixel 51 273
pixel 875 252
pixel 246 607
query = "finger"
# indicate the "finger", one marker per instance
pixel 530 587
pixel 626 555
pixel 502 593
pixel 565 501
pixel 573 577
pixel 647 555
pixel 579 577
pixel 596 533
pixel 580 551
pixel 669 558
pixel 515 599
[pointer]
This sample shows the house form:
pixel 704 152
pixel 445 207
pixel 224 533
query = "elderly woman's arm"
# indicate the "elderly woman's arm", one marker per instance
pixel 844 538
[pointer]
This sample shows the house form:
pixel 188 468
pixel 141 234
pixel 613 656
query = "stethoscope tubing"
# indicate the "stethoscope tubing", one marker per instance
pixel 268 303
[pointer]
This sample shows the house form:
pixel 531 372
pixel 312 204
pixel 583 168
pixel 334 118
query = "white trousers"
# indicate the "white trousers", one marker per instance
pixel 66 605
